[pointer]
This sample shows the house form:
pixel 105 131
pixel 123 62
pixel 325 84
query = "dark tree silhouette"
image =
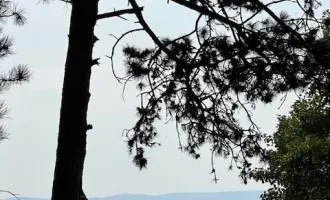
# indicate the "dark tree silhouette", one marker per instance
pixel 18 74
pixel 71 149
pixel 231 60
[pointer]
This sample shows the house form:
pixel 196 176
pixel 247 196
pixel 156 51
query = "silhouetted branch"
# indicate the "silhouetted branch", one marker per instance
pixel 207 12
pixel 117 13
pixel 223 144
pixel 146 27
pixel 14 195
pixel 114 48
pixel 18 74
pixel 200 84
pixel 48 1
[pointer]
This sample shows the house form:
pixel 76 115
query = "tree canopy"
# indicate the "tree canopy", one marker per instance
pixel 299 164
pixel 239 52
pixel 18 74
pixel 233 58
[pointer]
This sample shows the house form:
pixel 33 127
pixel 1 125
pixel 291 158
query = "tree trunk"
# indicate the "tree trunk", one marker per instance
pixel 71 149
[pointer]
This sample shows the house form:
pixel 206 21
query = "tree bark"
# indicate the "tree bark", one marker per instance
pixel 71 149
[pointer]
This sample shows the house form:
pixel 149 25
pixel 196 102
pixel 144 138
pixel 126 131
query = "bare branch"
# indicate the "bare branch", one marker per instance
pixel 14 195
pixel 114 48
pixel 117 13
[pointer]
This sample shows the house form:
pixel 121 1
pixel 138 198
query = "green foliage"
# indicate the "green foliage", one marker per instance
pixel 326 24
pixel 299 164
pixel 18 74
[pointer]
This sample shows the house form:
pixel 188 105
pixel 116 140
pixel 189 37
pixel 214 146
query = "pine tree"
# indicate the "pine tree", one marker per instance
pixel 202 78
pixel 205 77
pixel 18 74
pixel 71 149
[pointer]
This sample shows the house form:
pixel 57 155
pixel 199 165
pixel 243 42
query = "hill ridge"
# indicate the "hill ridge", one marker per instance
pixel 226 195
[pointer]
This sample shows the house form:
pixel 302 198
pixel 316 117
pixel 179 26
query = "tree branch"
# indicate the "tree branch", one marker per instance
pixel 207 12
pixel 153 36
pixel 14 195
pixel 283 24
pixel 117 13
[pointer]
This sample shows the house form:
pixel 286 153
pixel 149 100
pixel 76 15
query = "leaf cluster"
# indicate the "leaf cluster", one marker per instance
pixel 299 164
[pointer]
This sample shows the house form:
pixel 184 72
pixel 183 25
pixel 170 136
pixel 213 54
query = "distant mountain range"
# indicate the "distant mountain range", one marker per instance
pixel 242 195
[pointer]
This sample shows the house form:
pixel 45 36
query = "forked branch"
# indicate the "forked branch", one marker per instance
pixel 153 36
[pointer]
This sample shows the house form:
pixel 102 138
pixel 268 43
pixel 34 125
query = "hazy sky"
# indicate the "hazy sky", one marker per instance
pixel 27 159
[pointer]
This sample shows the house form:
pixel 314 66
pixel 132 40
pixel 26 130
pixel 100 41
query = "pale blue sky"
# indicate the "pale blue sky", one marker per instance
pixel 27 159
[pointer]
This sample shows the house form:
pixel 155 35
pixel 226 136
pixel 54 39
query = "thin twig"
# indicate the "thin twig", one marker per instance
pixel 14 195
pixel 117 13
pixel 114 48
